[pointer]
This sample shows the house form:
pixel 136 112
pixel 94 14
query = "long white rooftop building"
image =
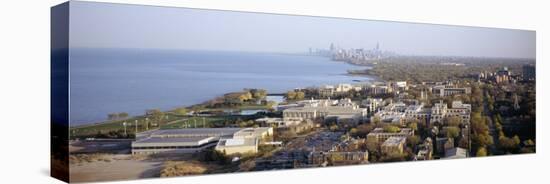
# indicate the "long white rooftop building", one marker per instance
pixel 192 140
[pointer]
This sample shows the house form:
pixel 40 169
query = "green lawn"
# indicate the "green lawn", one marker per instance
pixel 198 122
pixel 170 121
pixel 116 125
pixel 243 107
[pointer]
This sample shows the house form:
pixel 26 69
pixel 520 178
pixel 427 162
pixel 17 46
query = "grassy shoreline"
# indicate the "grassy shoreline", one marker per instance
pixel 170 119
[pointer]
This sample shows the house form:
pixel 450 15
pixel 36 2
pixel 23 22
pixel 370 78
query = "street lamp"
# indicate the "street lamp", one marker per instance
pixel 147 123
pixel 124 124
pixel 136 127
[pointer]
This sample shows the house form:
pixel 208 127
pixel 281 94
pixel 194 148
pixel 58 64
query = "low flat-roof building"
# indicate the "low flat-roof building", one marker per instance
pixel 456 153
pixel 330 90
pixel 418 112
pixel 260 133
pixel 192 140
pixel 395 107
pixel 338 157
pixel 302 112
pixel 238 145
pixel 440 111
pixel 316 103
pixel 304 126
pixel 342 88
pixel 444 91
pixel 400 85
pixel 393 145
pixel 326 91
pixel 155 145
pixel 346 152
pixel 379 88
pixel 345 110
pixel 399 113
pixel 278 122
pixel 189 140
pixel 372 104
pixel 381 136
pixel 396 118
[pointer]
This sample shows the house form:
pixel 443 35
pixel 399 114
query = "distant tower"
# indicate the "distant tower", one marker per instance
pixel 332 47
pixel 377 52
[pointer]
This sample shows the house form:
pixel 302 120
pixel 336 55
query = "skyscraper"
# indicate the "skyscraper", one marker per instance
pixel 529 72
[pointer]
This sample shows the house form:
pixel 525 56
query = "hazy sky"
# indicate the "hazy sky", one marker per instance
pixel 103 25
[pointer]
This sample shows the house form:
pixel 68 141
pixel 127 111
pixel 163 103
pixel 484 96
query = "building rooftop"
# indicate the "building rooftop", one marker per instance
pixel 414 108
pixel 391 117
pixel 174 141
pixel 381 130
pixel 425 110
pixel 196 136
pixel 455 153
pixel 252 132
pixel 329 109
pixel 394 141
pixel 190 132
pixel 238 142
pixel 459 104
pixel 233 142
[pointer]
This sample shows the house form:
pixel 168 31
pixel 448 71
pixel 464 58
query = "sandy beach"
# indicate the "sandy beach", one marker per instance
pixel 118 167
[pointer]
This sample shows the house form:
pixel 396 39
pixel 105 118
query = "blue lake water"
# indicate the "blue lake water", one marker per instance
pixel 104 81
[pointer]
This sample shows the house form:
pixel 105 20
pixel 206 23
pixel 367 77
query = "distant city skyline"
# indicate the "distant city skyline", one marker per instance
pixel 104 25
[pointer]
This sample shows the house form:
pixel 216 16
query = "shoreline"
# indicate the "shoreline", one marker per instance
pixel 367 78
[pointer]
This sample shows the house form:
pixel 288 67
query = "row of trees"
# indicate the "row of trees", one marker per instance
pixel 507 144
pixel 295 95
pixel 114 134
pixel 182 111
pixel 247 95
pixel 155 116
pixel 258 94
pixel 234 99
pixel 481 137
pixel 117 116
pixel 522 119
pixel 373 146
